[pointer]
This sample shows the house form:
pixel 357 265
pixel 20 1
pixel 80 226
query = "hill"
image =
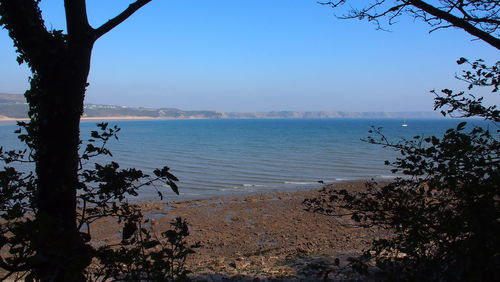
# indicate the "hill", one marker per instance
pixel 14 106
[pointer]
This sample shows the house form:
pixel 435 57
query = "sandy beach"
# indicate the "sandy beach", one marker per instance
pixel 97 119
pixel 266 236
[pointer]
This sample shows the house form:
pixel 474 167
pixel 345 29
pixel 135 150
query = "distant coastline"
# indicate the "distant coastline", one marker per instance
pixel 13 107
pixel 105 118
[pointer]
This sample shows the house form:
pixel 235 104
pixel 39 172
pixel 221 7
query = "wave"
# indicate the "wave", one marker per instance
pixel 252 185
pixel 301 183
pixel 343 179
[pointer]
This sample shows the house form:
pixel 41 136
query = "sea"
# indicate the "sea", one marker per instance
pixel 218 157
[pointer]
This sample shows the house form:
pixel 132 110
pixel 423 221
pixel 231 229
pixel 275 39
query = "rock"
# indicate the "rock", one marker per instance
pixel 239 264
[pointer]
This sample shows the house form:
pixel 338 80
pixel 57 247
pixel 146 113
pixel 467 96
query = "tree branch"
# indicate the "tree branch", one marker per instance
pixel 458 22
pixel 13 268
pixel 112 23
pixel 76 18
pixel 476 17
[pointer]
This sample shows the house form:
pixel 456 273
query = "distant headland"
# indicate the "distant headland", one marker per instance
pixel 14 107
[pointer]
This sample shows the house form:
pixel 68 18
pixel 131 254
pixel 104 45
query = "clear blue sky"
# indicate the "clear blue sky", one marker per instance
pixel 259 55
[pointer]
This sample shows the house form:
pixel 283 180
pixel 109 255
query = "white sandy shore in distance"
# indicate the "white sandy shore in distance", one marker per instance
pixel 114 118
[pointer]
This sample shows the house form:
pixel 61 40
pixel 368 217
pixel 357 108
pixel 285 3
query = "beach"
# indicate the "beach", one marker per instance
pixel 104 119
pixel 265 236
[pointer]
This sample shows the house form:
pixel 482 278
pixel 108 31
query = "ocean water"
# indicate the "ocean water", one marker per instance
pixel 221 157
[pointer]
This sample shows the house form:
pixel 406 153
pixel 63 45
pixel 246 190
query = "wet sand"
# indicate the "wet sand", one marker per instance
pixel 266 236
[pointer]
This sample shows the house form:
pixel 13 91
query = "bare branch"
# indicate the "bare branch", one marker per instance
pixel 76 18
pixel 440 27
pixel 458 22
pixel 112 23
pixel 477 17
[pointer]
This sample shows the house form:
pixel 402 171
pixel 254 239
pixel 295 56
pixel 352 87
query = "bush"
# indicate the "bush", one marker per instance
pixel 443 214
pixel 104 190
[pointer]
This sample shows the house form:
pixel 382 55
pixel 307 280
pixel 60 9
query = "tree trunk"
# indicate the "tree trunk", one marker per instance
pixel 62 255
pixel 60 64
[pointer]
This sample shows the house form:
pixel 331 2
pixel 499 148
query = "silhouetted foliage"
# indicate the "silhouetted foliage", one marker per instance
pixel 143 256
pixel 45 211
pixel 468 105
pixel 443 213
pixel 440 220
pixel 103 192
pixel 476 17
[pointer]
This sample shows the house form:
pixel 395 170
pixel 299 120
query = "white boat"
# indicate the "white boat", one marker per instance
pixel 404 124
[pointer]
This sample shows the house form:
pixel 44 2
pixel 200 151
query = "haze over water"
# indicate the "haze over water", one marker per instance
pixel 220 157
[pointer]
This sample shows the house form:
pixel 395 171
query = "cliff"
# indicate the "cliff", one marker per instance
pixel 14 106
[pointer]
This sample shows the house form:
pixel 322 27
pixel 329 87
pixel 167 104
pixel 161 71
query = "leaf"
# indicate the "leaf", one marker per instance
pixel 128 230
pixel 151 244
pixel 174 187
pixel 172 177
pixel 30 277
pixel 461 125
pixel 461 60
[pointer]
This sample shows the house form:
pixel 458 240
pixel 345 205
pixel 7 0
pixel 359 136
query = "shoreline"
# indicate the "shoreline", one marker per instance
pixel 260 237
pixel 113 118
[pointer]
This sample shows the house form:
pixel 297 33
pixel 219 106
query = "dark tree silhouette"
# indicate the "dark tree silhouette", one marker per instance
pixel 442 218
pixel 60 64
pixel 476 17
pixel 103 192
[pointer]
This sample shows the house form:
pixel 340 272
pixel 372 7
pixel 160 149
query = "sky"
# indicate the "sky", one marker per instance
pixel 259 55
